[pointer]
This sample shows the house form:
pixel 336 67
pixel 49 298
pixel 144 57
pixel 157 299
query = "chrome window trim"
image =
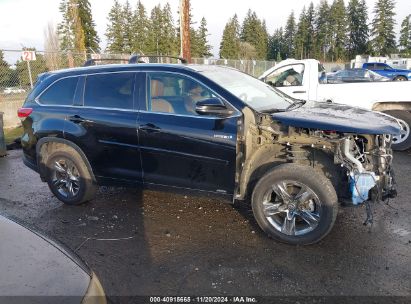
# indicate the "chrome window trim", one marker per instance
pixel 192 116
pixel 194 79
pixel 51 84
pixel 235 113
pixel 71 76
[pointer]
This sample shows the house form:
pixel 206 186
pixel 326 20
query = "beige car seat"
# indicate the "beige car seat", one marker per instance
pixel 159 104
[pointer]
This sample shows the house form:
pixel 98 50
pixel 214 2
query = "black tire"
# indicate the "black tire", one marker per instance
pixel 400 78
pixel 325 203
pixel 85 188
pixel 404 142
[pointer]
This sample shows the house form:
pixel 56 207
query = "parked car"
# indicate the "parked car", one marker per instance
pixel 8 91
pixel 391 97
pixel 355 75
pixel 36 269
pixel 208 129
pixel 385 70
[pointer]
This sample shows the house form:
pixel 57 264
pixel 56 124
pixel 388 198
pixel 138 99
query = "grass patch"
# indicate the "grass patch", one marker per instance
pixel 13 133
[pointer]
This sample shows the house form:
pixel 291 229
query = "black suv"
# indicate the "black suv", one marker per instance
pixel 210 129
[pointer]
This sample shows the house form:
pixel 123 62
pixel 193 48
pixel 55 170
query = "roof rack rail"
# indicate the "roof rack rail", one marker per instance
pixel 91 62
pixel 137 58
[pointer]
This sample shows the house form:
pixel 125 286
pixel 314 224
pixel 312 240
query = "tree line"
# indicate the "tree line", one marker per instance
pixel 330 32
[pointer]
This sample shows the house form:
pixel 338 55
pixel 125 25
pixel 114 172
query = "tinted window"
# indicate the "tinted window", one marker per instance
pixel 60 93
pixel 109 90
pixel 175 94
pixel 379 66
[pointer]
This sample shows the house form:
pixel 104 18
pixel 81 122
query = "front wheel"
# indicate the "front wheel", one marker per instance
pixel 295 204
pixel 403 141
pixel 400 78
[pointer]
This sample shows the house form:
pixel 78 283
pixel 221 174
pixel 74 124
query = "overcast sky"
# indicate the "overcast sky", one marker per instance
pixel 22 22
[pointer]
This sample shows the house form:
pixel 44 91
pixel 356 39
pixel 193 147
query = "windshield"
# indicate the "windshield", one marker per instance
pixel 255 93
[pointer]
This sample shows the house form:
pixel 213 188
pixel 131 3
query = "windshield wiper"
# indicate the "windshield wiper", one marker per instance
pixel 296 104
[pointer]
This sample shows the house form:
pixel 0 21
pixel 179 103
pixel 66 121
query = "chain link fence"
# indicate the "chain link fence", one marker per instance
pixel 15 82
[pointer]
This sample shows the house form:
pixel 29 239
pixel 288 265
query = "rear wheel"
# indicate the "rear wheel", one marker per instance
pixel 295 204
pixel 68 177
pixel 403 141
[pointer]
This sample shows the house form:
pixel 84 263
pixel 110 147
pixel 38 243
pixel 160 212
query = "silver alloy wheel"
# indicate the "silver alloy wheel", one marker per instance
pixel 292 208
pixel 66 177
pixel 397 139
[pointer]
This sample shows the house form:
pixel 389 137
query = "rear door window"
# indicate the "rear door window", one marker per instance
pixel 380 67
pixel 113 90
pixel 60 93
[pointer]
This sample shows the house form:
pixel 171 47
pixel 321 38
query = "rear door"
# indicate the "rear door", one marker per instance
pixel 104 125
pixel 180 148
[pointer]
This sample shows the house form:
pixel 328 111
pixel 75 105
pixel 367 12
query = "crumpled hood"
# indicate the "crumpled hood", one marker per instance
pixel 339 117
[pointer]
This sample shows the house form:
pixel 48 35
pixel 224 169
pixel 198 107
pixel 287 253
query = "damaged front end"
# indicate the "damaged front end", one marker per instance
pixel 358 165
pixel 368 161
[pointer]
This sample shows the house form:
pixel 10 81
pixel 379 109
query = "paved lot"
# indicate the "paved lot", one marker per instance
pixel 176 245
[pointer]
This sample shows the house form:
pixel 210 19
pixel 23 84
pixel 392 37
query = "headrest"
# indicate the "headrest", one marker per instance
pixel 157 88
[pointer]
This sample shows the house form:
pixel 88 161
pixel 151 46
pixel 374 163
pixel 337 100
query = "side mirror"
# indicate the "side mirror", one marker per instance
pixel 212 106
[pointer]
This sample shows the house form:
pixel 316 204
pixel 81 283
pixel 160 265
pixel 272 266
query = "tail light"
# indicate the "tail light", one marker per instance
pixel 24 112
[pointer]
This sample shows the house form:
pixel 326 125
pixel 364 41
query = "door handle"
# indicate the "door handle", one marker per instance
pixel 149 128
pixel 76 119
pixel 299 92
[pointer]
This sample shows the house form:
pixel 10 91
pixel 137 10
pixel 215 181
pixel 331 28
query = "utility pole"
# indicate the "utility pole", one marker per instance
pixel 185 29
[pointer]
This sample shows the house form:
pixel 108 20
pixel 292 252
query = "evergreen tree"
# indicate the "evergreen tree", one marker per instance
pixel 65 28
pixel 91 39
pixel 140 29
pixel 382 32
pixel 405 36
pixel 162 32
pixel 114 33
pixel 169 43
pixel 254 32
pixel 289 36
pixel 155 30
pixel 276 47
pixel 229 46
pixel 357 16
pixel 77 31
pixel 204 48
pixel 322 30
pixel 5 72
pixel 309 39
pixel 300 35
pixel 338 19
pixel 128 29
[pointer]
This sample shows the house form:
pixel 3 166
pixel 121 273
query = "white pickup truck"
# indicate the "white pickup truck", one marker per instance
pixel 306 79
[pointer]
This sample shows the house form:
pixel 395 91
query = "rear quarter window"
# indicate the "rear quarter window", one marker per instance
pixel 60 92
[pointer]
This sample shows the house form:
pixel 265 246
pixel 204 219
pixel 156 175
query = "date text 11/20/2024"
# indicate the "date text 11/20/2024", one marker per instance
pixel 238 299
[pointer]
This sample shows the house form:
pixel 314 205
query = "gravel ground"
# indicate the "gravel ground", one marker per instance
pixel 154 243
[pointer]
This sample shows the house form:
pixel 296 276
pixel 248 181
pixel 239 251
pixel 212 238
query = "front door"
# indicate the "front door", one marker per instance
pixel 292 79
pixel 180 148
